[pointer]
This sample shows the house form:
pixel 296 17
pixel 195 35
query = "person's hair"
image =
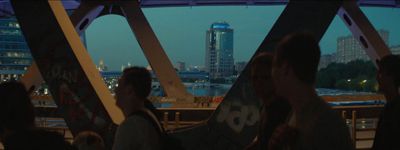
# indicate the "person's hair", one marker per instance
pixel 390 65
pixel 302 53
pixel 140 80
pixel 16 109
pixel 263 59
pixel 88 140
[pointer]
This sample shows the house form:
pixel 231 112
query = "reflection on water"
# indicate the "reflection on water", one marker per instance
pixel 215 90
pixel 222 89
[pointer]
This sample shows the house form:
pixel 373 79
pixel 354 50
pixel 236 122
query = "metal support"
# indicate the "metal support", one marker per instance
pixel 90 10
pixel 154 52
pixel 81 18
pixel 344 116
pixel 363 30
pixel 74 82
pixel 85 14
pixel 32 79
pixel 354 127
pixel 177 119
pixel 165 120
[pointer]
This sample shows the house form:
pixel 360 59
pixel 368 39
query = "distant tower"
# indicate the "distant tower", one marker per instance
pixel 181 66
pixel 219 50
pixel 102 66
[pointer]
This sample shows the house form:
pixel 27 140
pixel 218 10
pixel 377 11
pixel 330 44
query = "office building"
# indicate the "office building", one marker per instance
pixel 219 50
pixel 15 57
pixel 325 60
pixel 181 66
pixel 349 49
pixel 239 66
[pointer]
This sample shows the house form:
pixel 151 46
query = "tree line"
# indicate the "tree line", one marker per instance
pixel 358 75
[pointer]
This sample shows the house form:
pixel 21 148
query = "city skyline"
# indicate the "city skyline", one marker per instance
pixel 181 32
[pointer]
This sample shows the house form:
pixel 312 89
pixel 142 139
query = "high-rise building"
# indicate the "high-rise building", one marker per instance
pixel 15 57
pixel 395 49
pixel 102 66
pixel 181 66
pixel 325 60
pixel 219 50
pixel 239 66
pixel 349 49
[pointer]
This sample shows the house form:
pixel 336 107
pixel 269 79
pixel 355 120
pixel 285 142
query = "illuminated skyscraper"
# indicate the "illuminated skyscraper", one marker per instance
pixel 15 56
pixel 219 50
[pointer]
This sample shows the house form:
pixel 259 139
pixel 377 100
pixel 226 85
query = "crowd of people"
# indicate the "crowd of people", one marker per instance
pixel 293 116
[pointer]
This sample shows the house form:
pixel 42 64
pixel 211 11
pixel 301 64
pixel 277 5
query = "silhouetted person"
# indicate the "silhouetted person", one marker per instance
pixel 88 140
pixel 136 132
pixel 388 129
pixel 36 139
pixel 312 125
pixel 16 112
pixel 17 122
pixel 274 111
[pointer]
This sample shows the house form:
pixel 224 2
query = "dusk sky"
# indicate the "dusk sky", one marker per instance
pixel 182 30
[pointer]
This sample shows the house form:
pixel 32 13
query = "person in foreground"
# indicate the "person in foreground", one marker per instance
pixel 274 110
pixel 312 125
pixel 88 140
pixel 136 132
pixel 388 129
pixel 17 122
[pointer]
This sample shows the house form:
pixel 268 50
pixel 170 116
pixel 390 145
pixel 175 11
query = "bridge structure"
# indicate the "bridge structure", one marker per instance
pixel 61 60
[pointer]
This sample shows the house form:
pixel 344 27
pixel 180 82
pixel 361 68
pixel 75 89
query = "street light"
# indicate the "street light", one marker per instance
pixel 363 84
pixel 364 81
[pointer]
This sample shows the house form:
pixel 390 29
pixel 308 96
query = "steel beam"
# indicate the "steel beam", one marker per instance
pixel 85 14
pixel 235 122
pixel 81 18
pixel 152 49
pixel 32 79
pixel 363 30
pixel 74 82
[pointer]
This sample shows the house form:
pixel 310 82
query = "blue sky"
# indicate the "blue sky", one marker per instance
pixel 181 31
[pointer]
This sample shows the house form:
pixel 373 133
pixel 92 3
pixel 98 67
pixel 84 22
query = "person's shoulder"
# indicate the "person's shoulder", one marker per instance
pixel 137 121
pixel 280 104
pixel 36 134
pixel 37 138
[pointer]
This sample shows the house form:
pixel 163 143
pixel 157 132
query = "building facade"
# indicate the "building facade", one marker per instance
pixel 325 60
pixel 15 57
pixel 102 66
pixel 395 49
pixel 219 61
pixel 239 66
pixel 181 66
pixel 349 49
